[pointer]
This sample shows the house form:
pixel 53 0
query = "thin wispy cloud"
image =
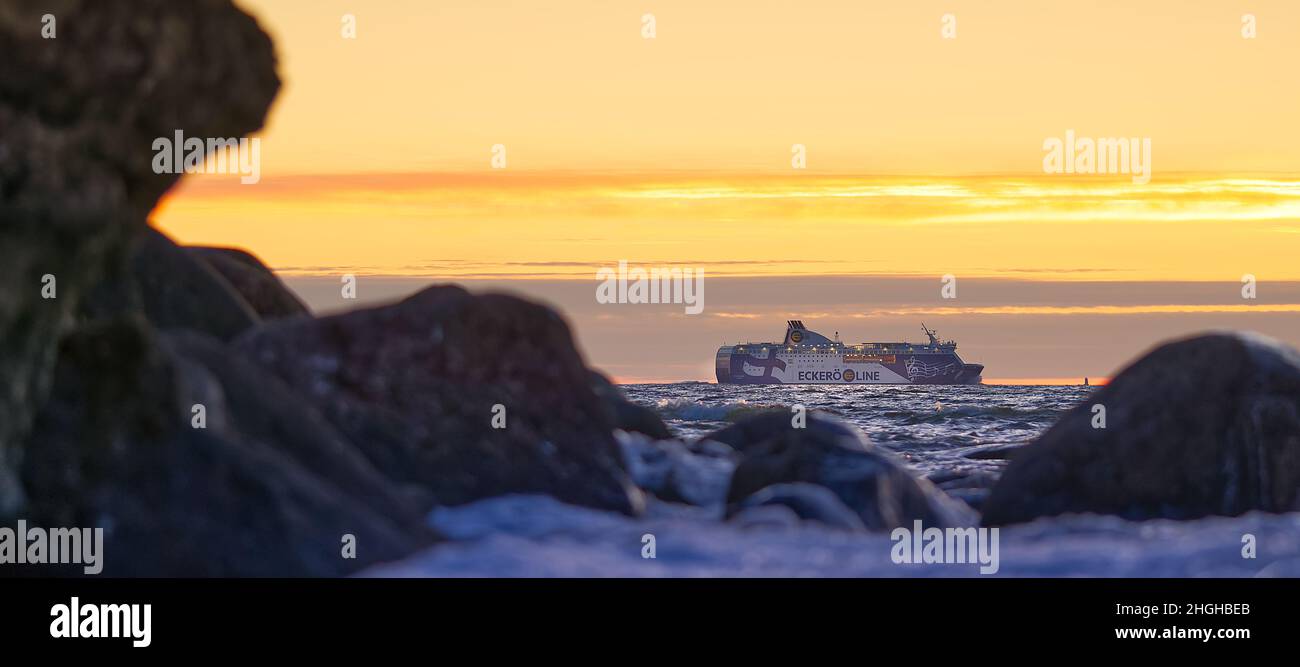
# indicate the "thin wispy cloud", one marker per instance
pixel 541 225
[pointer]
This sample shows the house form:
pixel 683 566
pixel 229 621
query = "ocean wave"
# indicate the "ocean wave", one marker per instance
pixel 902 418
pixel 684 409
pixel 944 413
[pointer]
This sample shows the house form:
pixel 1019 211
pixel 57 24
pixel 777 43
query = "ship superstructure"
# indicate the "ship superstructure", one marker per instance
pixel 807 357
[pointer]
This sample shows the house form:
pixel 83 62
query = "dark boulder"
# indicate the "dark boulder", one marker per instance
pixel 123 73
pixel 115 447
pixel 971 486
pixel 625 414
pixel 179 290
pixel 809 502
pixel 836 455
pixel 467 396
pixel 260 407
pixel 268 296
pixel 758 428
pixel 78 115
pixel 1208 425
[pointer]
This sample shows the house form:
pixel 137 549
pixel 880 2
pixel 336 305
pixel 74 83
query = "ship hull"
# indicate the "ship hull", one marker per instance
pixel 776 366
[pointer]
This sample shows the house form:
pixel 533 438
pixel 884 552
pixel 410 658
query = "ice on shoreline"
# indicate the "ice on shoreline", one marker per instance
pixel 538 536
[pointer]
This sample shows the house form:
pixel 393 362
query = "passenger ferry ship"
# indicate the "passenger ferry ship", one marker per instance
pixel 807 357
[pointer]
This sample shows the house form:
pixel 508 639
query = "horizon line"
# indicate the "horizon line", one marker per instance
pixel 1000 382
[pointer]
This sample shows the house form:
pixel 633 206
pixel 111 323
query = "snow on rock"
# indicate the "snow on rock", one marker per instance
pixel 538 536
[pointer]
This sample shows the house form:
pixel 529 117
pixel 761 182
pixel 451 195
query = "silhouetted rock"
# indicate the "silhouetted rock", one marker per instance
pixel 268 296
pixel 971 486
pixel 1208 425
pixel 259 406
pixel 121 74
pixel 809 502
pixel 418 385
pixel 758 428
pixel 116 447
pixel 625 414
pixel 836 455
pixel 79 115
pixel 181 291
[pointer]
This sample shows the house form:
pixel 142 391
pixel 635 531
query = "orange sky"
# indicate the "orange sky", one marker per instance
pixel 869 87
pixel 924 154
pixel 535 224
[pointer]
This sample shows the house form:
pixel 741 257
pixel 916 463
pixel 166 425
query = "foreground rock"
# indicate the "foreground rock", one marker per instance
pixel 116 447
pixel 695 473
pixel 625 414
pixel 181 291
pixel 809 502
pixel 970 486
pixel 97 411
pixel 260 407
pixel 215 291
pixel 260 288
pixel 1203 426
pixel 834 454
pixel 79 114
pixel 467 396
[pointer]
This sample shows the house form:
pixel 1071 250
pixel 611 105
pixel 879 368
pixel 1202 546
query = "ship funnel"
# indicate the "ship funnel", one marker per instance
pixel 797 334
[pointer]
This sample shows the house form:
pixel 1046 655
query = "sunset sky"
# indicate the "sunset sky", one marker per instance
pixel 924 158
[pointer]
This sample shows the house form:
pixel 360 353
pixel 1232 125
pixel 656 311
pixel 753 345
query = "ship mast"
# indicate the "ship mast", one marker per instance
pixel 934 339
